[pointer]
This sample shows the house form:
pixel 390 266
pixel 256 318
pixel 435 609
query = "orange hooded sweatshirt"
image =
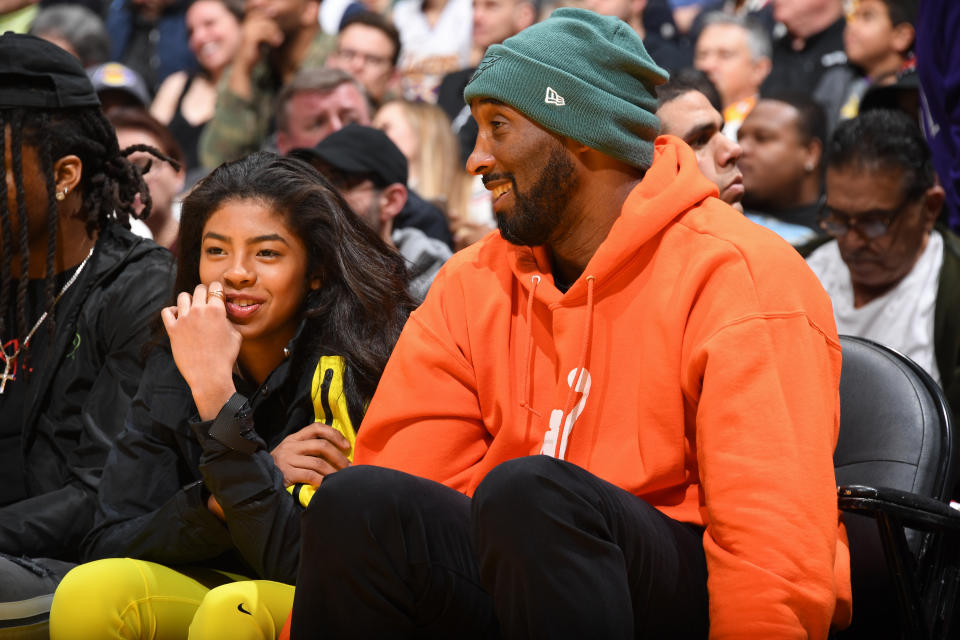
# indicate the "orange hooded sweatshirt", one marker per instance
pixel 712 365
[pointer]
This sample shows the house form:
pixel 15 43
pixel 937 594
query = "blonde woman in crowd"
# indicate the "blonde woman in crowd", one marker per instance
pixel 422 132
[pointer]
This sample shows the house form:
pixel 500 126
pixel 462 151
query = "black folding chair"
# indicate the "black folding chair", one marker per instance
pixel 896 465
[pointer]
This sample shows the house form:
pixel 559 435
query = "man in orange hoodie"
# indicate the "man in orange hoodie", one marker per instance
pixel 614 418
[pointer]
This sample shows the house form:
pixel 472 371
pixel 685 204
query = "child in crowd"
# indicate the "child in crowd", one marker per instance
pixel 878 40
pixel 275 275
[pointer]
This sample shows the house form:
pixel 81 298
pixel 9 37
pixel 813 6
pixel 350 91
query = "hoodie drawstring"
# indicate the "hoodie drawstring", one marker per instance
pixel 525 394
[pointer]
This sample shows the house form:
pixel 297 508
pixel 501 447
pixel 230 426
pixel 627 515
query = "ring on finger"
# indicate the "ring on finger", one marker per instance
pixel 216 293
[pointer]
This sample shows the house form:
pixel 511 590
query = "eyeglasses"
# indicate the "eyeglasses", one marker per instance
pixel 348 55
pixel 871 225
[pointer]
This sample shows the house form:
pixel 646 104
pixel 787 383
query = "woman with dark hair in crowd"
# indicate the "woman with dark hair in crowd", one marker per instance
pixel 185 101
pixel 275 275
pixel 77 294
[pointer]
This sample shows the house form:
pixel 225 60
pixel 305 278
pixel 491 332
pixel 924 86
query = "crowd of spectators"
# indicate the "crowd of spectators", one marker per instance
pixel 787 105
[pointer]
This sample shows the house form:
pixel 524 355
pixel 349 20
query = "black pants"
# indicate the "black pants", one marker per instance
pixel 544 550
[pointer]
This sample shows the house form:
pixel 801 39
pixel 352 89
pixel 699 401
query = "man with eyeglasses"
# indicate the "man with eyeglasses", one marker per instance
pixel 368 47
pixel 892 276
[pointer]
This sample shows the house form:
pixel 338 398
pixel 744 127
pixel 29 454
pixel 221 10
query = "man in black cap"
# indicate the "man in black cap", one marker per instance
pixel 370 172
pixel 77 294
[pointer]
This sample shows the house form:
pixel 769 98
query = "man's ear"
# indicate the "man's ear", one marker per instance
pixel 932 204
pixel 761 69
pixel 813 152
pixel 67 172
pixel 392 199
pixel 902 38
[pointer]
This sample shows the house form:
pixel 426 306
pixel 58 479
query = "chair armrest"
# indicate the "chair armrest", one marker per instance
pixel 914 511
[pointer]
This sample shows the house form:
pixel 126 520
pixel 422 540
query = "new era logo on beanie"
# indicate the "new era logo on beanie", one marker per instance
pixel 594 66
pixel 554 98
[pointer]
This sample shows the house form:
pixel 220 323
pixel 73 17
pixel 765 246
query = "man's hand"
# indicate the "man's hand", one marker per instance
pixel 310 454
pixel 205 346
pixel 257 29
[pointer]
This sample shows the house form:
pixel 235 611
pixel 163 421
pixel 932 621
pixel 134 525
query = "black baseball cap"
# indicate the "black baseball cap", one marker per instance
pixel 357 149
pixel 37 73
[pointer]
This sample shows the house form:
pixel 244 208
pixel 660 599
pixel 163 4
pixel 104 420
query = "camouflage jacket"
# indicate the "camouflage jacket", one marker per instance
pixel 239 126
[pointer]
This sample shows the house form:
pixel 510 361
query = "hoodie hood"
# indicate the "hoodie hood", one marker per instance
pixel 671 186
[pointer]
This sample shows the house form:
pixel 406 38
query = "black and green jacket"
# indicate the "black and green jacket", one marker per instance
pixel 77 401
pixel 153 498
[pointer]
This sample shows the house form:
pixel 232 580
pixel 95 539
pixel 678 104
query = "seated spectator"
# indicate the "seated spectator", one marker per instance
pixel 422 132
pixel 674 366
pixel 75 29
pixel 287 307
pixel 137 130
pixel 150 37
pixel 185 102
pixel 370 173
pixel 891 275
pixel 782 142
pixel 685 110
pixel 670 52
pixel 734 52
pixel 811 44
pixel 277 39
pixel 878 41
pixel 314 104
pixel 77 294
pixel 493 22
pixel 368 47
pixel 118 85
pixel 435 38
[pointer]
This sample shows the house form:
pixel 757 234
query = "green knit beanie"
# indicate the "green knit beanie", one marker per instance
pixel 581 75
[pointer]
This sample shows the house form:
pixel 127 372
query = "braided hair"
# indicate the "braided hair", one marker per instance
pixel 109 186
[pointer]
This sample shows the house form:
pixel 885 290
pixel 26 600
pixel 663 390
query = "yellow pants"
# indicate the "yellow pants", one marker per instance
pixel 125 598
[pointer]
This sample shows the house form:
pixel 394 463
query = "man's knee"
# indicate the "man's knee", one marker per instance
pixel 519 482
pixel 357 500
pixel 513 493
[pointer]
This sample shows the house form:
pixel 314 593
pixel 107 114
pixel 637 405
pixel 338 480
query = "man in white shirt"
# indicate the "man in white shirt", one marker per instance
pixel 892 277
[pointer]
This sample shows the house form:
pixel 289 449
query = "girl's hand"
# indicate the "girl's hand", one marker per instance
pixel 205 346
pixel 310 454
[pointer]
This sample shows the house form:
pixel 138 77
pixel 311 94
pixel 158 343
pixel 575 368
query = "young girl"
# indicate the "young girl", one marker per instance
pixel 275 276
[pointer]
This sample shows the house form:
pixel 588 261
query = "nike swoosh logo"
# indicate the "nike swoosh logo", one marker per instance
pixel 242 610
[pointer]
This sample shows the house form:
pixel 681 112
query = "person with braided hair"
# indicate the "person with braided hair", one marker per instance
pixel 77 293
pixel 285 310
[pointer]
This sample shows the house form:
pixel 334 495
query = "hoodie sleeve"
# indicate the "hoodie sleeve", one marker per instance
pixel 425 418
pixel 766 425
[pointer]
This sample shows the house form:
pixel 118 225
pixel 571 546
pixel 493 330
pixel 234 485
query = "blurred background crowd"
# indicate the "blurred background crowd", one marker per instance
pixel 207 81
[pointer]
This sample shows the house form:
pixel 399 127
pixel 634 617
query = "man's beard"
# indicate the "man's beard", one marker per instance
pixel 537 213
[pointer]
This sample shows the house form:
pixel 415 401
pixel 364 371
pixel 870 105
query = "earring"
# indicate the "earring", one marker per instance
pixel 61 195
pixel 808 166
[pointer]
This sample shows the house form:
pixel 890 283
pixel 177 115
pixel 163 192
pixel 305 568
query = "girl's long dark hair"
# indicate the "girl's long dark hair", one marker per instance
pixel 362 303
